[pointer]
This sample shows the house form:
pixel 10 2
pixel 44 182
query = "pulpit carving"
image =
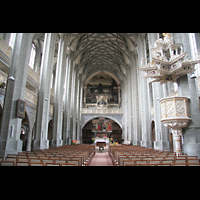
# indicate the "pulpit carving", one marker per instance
pixel 175 115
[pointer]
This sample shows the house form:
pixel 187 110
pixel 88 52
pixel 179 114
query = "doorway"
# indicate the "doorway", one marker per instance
pixel 153 132
pixel 24 132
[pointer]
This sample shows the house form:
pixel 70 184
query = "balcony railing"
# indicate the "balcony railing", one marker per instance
pixel 3 77
pixel 101 111
pixel 33 76
pixel 30 97
pixel 5 48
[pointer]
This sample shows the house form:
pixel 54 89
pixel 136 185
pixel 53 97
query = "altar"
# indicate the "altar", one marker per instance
pixel 100 139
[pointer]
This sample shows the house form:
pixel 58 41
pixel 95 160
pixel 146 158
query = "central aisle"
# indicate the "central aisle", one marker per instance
pixel 101 159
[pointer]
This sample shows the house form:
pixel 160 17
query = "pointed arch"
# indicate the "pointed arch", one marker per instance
pixel 97 116
pixel 105 72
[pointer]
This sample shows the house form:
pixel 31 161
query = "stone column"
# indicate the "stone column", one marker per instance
pixel 65 113
pixel 177 140
pixel 161 132
pixel 78 107
pixel 145 97
pixel 125 109
pixel 135 102
pixel 81 105
pixel 129 104
pixel 74 99
pixel 58 92
pixel 68 101
pixel 72 96
pixel 11 125
pixel 42 116
pixel 188 87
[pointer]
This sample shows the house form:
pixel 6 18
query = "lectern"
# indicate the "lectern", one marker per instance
pixel 101 144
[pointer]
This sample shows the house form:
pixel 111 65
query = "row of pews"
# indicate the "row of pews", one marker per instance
pixel 142 156
pixel 68 155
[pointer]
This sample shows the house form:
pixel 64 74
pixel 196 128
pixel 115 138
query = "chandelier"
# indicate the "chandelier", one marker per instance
pixel 168 62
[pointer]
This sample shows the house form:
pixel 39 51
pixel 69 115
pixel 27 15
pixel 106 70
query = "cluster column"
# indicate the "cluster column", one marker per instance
pixel 188 87
pixel 145 96
pixel 58 92
pixel 67 101
pixel 159 91
pixel 135 102
pixel 41 141
pixel 11 125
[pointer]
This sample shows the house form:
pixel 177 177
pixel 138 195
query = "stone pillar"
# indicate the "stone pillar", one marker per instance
pixel 135 102
pixel 145 97
pixel 81 105
pixel 74 99
pixel 42 116
pixel 125 108
pixel 68 101
pixel 11 125
pixel 58 92
pixel 177 140
pixel 129 104
pixel 161 132
pixel 188 87
pixel 65 113
pixel 78 107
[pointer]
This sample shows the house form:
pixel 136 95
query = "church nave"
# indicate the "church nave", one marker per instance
pixel 70 90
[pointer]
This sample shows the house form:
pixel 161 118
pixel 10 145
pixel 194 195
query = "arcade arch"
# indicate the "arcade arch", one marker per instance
pixel 88 134
pixel 101 72
pixel 102 82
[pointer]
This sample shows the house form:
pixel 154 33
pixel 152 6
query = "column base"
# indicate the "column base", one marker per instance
pixel 127 142
pixel 56 143
pixel 137 143
pixel 146 143
pixel 162 146
pixel 10 147
pixel 41 144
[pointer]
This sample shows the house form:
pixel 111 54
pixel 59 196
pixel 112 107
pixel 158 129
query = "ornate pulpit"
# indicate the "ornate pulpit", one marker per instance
pixel 168 64
pixel 175 115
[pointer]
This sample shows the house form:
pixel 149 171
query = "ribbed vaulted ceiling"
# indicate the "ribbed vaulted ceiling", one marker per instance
pixel 102 51
pixel 94 52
